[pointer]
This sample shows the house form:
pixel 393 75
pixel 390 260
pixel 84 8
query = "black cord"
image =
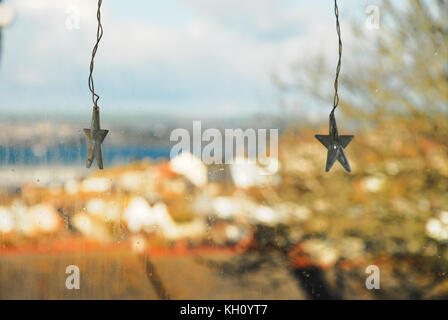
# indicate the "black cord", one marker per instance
pixel 338 68
pixel 99 35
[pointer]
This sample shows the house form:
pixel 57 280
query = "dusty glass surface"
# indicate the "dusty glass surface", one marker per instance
pixel 247 209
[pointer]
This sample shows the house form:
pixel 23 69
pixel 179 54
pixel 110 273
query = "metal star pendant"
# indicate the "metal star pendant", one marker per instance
pixel 335 145
pixel 95 136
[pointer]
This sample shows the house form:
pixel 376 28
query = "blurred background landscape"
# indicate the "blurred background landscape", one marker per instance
pixel 147 227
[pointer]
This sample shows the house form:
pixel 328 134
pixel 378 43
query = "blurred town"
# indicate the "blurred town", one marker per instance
pixel 391 212
pixel 151 227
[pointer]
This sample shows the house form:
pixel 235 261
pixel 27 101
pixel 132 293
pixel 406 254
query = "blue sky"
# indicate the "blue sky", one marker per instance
pixel 179 57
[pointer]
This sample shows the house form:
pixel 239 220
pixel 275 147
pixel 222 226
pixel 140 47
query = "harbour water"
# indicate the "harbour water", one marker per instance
pixel 74 154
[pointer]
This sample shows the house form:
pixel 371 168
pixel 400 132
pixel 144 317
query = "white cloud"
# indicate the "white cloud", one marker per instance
pixel 223 42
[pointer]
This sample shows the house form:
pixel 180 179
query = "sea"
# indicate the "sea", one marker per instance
pixel 76 154
pixel 46 166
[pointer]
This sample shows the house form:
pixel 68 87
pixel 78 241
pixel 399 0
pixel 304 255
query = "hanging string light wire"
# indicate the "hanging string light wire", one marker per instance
pixel 338 68
pixel 95 135
pixel 334 142
pixel 99 35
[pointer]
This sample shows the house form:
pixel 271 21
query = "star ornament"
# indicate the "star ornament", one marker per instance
pixel 95 136
pixel 335 145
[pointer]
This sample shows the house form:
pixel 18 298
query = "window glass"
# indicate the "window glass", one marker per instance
pixel 214 185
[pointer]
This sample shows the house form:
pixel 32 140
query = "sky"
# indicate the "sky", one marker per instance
pixel 177 57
